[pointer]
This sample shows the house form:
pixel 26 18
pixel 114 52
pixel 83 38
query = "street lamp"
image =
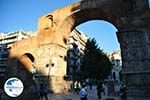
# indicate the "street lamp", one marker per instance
pixel 52 67
pixel 33 68
pixel 33 71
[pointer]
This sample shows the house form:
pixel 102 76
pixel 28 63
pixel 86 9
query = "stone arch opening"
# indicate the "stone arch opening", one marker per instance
pixel 30 56
pixel 104 33
pixel 132 25
pixel 105 37
pixel 131 31
pixel 24 69
pixel 27 60
pixel 85 15
pixel 20 66
pixel 73 69
pixel 81 16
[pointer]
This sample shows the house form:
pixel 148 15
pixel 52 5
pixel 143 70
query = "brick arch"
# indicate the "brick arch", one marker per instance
pixel 27 60
pixel 63 21
pixel 80 17
pixel 30 56
pixel 24 69
pixel 133 36
pixel 124 15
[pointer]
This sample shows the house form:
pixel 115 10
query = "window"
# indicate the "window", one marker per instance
pixel 4 56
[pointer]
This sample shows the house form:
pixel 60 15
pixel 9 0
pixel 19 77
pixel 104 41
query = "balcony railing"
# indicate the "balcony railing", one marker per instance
pixel 2 70
pixel 3 64
pixel 3 59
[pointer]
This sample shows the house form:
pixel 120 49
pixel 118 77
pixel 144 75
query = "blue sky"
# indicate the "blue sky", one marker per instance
pixel 24 14
pixel 149 3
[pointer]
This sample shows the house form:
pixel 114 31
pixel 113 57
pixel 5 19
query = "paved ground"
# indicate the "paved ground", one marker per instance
pixel 92 95
pixel 74 96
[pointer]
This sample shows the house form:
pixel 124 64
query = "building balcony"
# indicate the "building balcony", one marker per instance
pixel 2 70
pixel 2 64
pixel 3 53
pixel 3 60
pixel 10 36
pixel 8 41
pixel 4 56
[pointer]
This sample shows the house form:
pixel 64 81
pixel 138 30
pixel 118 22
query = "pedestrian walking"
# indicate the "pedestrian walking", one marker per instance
pixel 103 88
pixel 77 86
pixel 34 91
pixel 0 95
pixel 99 89
pixel 83 93
pixel 46 91
pixel 123 93
pixel 72 87
pixel 42 91
pixel 90 84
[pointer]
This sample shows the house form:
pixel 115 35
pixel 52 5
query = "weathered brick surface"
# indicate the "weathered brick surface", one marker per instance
pixel 132 22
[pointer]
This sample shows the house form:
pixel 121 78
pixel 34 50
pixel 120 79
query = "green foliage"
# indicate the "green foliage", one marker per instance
pixel 95 63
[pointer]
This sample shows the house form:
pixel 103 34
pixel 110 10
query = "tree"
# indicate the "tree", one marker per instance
pixel 95 63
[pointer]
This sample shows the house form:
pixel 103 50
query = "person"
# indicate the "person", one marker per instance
pixel 123 93
pixel 99 89
pixel 103 88
pixel 34 91
pixel 71 87
pixel 46 91
pixel 1 94
pixel 42 91
pixel 83 93
pixel 77 87
pixel 90 84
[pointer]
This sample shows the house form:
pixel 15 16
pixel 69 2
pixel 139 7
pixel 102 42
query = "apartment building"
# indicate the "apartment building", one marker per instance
pixel 75 44
pixel 115 59
pixel 6 41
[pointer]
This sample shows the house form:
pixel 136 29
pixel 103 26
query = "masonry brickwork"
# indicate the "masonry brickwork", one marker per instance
pixel 130 18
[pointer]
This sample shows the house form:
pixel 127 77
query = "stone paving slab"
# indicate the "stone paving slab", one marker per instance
pixel 92 95
pixel 72 96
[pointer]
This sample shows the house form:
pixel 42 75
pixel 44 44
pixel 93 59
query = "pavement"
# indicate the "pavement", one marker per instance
pixel 92 95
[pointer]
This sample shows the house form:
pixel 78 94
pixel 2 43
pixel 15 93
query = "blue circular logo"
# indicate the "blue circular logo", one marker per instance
pixel 13 87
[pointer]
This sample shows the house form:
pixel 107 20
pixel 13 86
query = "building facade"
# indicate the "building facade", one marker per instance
pixel 75 44
pixel 6 41
pixel 115 59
